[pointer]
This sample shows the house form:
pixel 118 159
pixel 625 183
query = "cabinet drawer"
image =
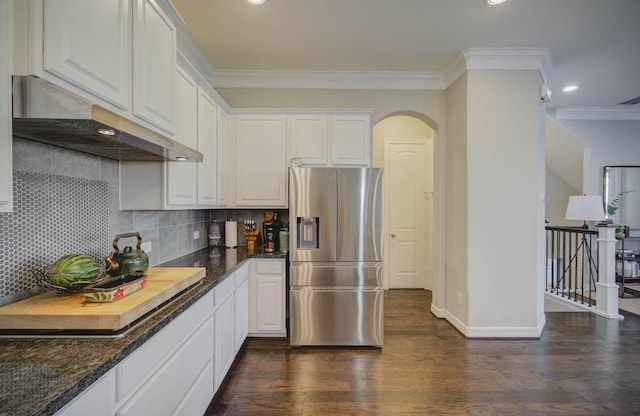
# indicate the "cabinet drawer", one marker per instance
pixel 198 398
pixel 241 274
pixel 170 384
pixel 97 400
pixel 139 366
pixel 224 289
pixel 270 266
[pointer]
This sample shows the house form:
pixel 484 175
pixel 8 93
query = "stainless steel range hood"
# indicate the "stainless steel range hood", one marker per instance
pixel 47 113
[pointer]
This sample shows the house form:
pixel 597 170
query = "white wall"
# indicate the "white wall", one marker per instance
pixel 557 192
pixel 505 145
pixel 456 292
pixel 610 142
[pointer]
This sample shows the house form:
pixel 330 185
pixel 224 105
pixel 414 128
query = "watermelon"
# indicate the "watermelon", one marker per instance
pixel 72 269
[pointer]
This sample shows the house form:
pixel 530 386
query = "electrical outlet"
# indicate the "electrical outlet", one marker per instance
pixel 459 298
pixel 196 235
pixel 146 246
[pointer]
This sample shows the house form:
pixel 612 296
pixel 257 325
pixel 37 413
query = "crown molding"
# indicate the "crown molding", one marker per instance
pixel 617 112
pixel 191 59
pixel 301 111
pixel 171 12
pixel 369 80
pixel 500 59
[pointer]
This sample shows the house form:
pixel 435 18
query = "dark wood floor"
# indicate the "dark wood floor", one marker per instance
pixel 582 365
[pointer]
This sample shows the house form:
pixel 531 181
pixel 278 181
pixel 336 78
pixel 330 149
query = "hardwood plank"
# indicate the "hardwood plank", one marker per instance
pixel 582 364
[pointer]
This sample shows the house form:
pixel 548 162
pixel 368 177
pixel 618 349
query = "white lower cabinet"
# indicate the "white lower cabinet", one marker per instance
pixel 97 400
pixel 198 398
pixel 267 298
pixel 224 335
pixel 179 370
pixel 241 297
pixel 161 373
pixel 171 383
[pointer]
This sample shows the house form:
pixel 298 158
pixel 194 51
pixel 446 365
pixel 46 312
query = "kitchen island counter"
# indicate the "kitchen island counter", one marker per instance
pixel 38 376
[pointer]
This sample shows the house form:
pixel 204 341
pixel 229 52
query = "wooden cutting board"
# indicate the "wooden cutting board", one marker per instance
pixel 49 311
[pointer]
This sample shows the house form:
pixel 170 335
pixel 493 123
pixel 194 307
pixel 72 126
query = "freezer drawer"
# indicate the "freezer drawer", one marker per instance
pixel 330 274
pixel 330 317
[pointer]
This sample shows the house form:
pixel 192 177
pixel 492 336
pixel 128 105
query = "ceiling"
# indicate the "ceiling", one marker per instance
pixel 594 43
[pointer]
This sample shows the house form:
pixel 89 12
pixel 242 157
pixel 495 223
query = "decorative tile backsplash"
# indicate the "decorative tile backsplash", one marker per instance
pixel 66 202
pixel 53 216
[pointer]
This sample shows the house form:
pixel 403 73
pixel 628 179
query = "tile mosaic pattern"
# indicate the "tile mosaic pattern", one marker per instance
pixel 53 216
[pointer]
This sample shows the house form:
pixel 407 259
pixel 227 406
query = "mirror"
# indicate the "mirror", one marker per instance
pixel 619 179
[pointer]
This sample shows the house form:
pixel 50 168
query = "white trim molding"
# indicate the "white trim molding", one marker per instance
pixel 500 59
pixel 616 112
pixel 360 80
pixel 496 332
pixel 534 59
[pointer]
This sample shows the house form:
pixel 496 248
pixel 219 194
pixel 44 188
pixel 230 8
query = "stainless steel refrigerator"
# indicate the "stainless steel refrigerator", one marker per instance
pixel 336 294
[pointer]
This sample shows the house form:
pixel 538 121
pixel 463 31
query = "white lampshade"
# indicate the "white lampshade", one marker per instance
pixel 585 208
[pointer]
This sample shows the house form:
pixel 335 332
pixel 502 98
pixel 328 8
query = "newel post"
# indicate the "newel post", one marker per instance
pixel 607 290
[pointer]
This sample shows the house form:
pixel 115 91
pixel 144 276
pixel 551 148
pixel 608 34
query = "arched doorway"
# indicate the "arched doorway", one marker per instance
pixel 403 145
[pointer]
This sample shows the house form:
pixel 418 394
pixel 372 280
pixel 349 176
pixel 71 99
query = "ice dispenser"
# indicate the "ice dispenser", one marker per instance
pixel 308 233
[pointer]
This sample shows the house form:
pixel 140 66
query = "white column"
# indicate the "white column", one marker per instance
pixel 606 288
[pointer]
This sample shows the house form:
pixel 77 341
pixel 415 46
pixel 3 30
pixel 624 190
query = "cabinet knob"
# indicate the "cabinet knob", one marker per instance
pixel 393 235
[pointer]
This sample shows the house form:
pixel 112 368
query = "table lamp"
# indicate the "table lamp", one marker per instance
pixel 585 208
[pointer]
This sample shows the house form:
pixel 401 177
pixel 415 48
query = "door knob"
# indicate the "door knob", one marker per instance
pixel 393 235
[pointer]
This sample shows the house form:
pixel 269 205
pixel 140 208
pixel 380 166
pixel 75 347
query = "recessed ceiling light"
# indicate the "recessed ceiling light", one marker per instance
pixel 256 1
pixel 494 2
pixel 181 158
pixel 570 88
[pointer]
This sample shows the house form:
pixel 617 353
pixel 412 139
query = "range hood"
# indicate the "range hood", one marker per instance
pixel 47 113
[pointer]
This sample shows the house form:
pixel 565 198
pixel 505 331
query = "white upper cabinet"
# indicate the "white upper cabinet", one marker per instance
pixel 331 139
pixel 154 64
pixel 120 54
pixel 261 161
pixel 309 142
pixel 223 140
pixel 181 177
pixel 6 172
pixel 88 44
pixel 350 140
pixel 207 145
pixel 181 185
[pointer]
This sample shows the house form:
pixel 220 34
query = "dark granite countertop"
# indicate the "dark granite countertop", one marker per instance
pixel 38 376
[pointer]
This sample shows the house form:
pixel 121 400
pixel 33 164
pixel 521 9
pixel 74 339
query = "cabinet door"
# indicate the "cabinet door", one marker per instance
pixel 223 120
pixel 181 177
pixel 267 298
pixel 6 171
pixel 270 297
pixel 351 140
pixel 98 399
pixel 207 145
pixel 198 398
pixel 154 65
pixel 165 390
pixel 242 314
pixel 310 140
pixel 224 352
pixel 261 175
pixel 88 44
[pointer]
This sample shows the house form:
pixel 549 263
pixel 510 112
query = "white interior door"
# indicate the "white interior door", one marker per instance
pixel 407 202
